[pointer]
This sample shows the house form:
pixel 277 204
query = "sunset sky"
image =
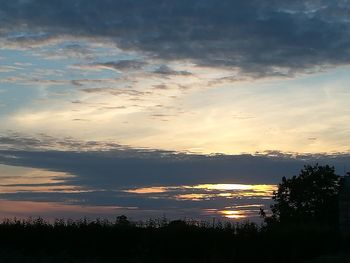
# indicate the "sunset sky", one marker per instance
pixel 102 98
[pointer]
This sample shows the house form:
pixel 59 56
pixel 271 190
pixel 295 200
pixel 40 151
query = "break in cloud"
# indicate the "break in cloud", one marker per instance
pixel 260 38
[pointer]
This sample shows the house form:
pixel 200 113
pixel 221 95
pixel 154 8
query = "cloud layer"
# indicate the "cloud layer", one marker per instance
pixel 85 179
pixel 258 37
pixel 107 165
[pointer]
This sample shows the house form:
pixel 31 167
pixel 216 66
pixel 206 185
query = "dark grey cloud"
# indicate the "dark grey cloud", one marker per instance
pixel 167 71
pixel 110 163
pixel 17 141
pixel 257 37
pixel 106 165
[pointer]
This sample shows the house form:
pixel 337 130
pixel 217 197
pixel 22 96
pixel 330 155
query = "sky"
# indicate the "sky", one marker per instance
pixel 149 107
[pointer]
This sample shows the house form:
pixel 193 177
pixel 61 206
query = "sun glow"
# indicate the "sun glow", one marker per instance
pixel 208 191
pixel 148 190
pixel 210 187
pixel 233 214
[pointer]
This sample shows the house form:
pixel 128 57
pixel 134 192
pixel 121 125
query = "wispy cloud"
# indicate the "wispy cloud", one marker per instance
pixel 9 68
pixel 122 65
pixel 167 71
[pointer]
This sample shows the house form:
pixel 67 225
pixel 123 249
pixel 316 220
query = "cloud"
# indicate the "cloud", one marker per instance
pixel 73 50
pixel 167 71
pixel 122 65
pixel 41 141
pixel 116 91
pixel 107 165
pixel 5 69
pixel 43 77
pixel 160 87
pixel 260 38
pixel 107 170
pixel 24 40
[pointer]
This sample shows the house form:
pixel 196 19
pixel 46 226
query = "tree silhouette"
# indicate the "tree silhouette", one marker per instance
pixel 122 221
pixel 312 196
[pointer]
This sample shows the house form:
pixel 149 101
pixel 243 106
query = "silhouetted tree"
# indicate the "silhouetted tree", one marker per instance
pixel 312 196
pixel 122 221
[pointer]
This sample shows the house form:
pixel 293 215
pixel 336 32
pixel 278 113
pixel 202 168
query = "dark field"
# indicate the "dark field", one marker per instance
pixel 35 240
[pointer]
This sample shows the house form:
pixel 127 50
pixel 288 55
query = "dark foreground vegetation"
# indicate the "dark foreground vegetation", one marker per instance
pixel 158 241
pixel 35 240
pixel 303 227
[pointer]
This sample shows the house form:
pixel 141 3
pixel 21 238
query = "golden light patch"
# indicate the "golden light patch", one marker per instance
pixel 148 190
pixel 234 214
